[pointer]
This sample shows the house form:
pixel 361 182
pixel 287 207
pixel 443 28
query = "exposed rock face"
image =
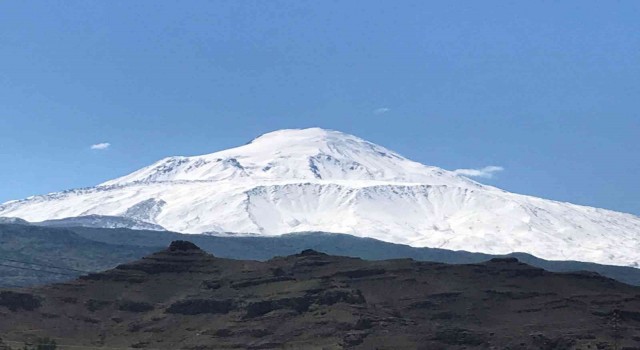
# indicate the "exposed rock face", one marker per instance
pixel 201 306
pixel 182 245
pixel 184 298
pixel 146 210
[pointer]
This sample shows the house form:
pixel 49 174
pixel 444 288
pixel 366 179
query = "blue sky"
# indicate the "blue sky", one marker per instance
pixel 548 90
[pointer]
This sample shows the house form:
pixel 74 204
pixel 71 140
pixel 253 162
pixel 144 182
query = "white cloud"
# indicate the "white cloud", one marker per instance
pixel 101 146
pixel 381 110
pixel 486 172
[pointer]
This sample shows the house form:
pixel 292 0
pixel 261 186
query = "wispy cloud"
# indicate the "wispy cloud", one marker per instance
pixel 486 172
pixel 381 110
pixel 101 146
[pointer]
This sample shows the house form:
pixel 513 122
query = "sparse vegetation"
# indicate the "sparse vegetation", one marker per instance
pixel 42 344
pixel 15 301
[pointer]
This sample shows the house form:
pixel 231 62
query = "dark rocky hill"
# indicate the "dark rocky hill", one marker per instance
pixel 96 249
pixel 184 298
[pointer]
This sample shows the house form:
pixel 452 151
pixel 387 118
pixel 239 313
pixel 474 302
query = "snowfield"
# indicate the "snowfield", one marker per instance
pixel 321 180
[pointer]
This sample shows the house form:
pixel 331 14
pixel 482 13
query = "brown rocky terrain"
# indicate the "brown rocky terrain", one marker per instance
pixel 184 298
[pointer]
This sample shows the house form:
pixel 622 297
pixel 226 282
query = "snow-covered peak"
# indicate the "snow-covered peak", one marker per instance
pixel 310 142
pixel 311 155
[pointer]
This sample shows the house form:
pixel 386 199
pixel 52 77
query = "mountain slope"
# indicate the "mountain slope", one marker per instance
pixel 320 180
pixel 184 298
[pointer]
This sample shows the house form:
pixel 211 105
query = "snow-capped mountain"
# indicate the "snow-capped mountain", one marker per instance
pixel 13 221
pixel 101 221
pixel 321 180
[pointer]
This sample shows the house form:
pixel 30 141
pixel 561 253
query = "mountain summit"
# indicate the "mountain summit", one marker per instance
pixel 321 180
pixel 300 155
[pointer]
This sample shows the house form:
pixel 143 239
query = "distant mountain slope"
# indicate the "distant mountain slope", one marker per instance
pixel 94 249
pixel 34 255
pixel 183 298
pixel 327 181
